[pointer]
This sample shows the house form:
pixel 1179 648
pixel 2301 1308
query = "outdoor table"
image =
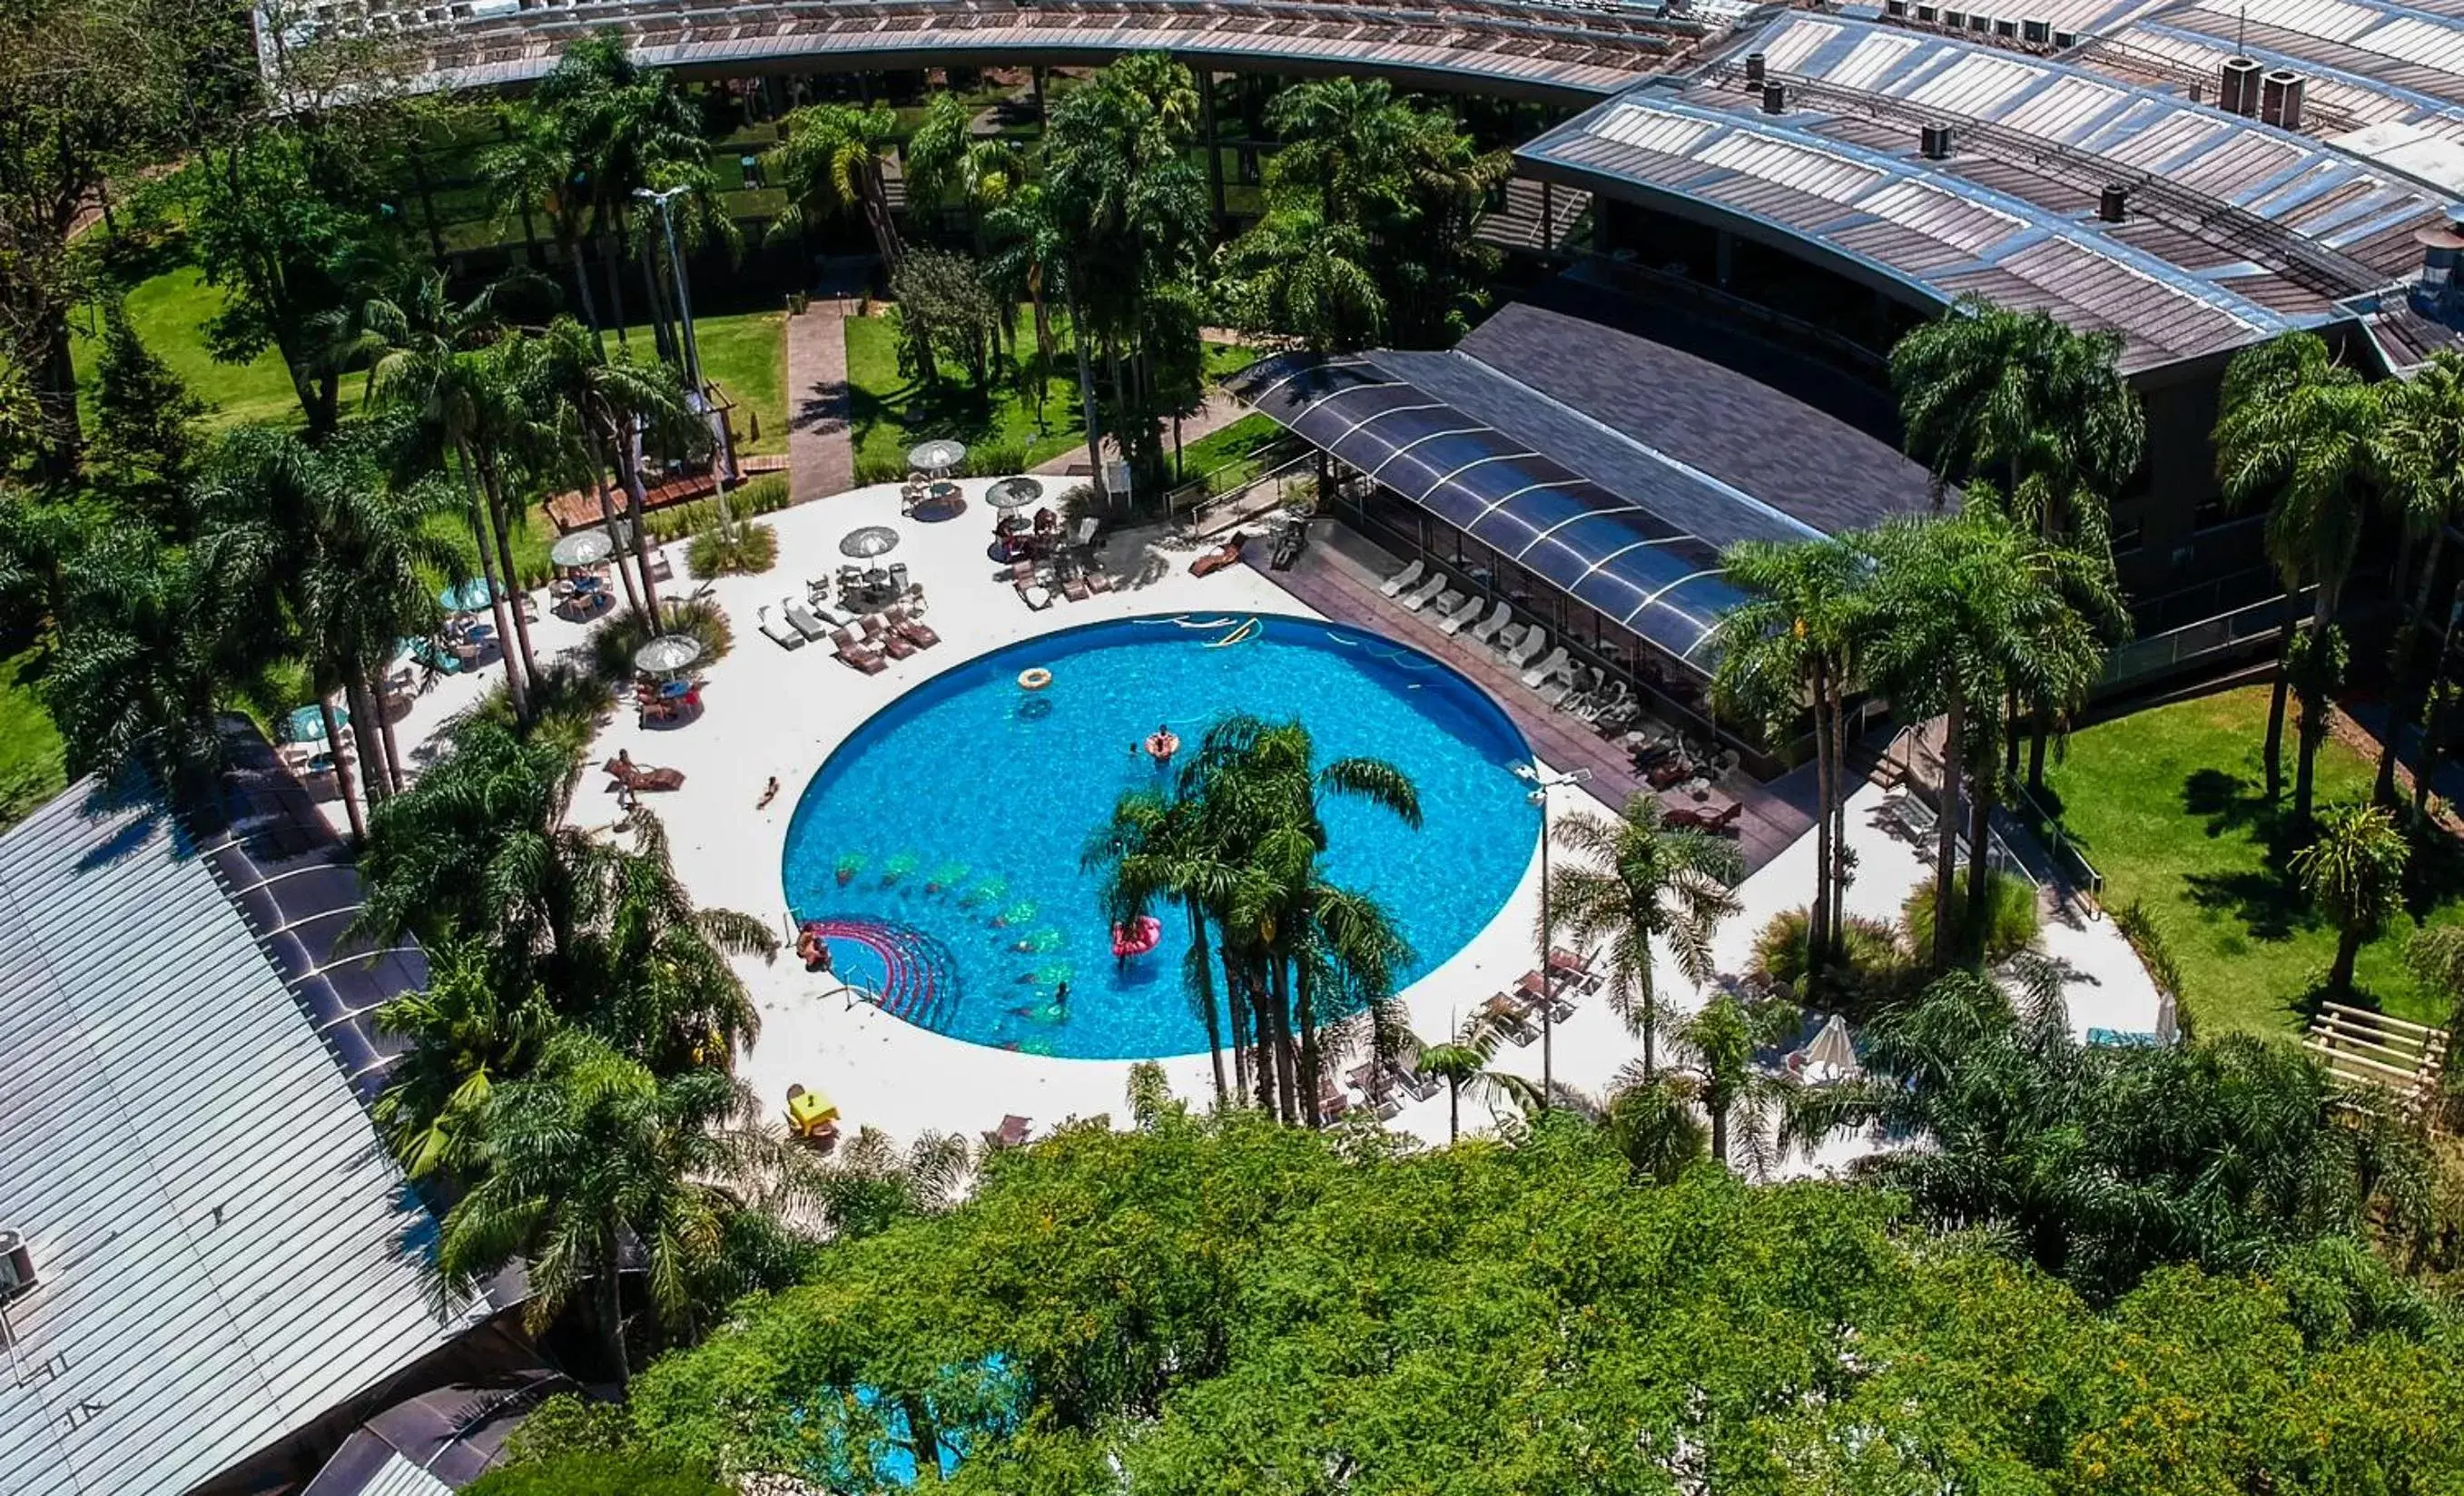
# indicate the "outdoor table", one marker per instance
pixel 809 1111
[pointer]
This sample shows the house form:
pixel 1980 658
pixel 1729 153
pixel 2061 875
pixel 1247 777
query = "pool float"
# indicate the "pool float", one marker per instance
pixel 1035 679
pixel 1251 630
pixel 1141 935
pixel 1161 744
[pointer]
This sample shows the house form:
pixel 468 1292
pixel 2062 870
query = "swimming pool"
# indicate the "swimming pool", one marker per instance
pixel 938 846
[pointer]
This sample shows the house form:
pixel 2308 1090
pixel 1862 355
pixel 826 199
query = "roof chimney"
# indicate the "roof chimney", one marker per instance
pixel 1933 141
pixel 2113 204
pixel 1775 99
pixel 2439 293
pixel 1753 67
pixel 2279 99
pixel 2237 86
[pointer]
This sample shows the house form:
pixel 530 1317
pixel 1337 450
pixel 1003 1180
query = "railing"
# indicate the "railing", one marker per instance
pixel 1276 488
pixel 2250 623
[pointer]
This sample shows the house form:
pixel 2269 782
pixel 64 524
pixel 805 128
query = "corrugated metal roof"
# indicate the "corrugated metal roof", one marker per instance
pixel 2411 55
pixel 226 1250
pixel 399 1477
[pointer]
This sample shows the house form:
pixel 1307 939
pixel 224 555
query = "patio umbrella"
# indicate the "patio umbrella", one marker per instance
pixel 583 548
pixel 1831 1057
pixel 937 455
pixel 468 597
pixel 667 652
pixel 873 539
pixel 1013 492
pixel 307 724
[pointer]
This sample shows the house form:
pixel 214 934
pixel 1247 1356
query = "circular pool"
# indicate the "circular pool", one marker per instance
pixel 937 850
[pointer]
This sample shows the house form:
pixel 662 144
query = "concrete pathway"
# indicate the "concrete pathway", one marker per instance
pixel 820 450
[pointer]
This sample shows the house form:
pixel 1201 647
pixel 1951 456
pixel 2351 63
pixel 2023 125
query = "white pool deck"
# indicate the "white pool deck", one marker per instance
pixel 770 711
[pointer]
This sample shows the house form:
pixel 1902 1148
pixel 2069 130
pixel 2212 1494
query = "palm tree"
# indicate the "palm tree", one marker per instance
pixel 623 127
pixel 2354 871
pixel 1026 264
pixel 948 163
pixel 1463 1064
pixel 1985 392
pixel 1720 1038
pixel 663 991
pixel 2420 455
pixel 2299 429
pixel 593 1157
pixel 1636 879
pixel 828 160
pixel 1297 275
pixel 1652 1124
pixel 541 167
pixel 145 647
pixel 1156 848
pixel 1793 647
pixel 869 1184
pixel 469 1029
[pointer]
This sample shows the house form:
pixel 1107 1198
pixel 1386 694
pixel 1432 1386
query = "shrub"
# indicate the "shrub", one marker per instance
pixel 2136 928
pixel 2011 914
pixel 997 460
pixel 870 471
pixel 763 493
pixel 612 645
pixel 1877 969
pixel 741 548
pixel 569 702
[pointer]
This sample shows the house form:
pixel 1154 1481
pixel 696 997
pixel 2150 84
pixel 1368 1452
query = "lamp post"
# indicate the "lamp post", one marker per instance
pixel 726 450
pixel 1542 780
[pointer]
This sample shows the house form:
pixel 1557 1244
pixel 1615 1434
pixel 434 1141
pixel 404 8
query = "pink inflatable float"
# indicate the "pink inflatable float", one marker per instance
pixel 1136 939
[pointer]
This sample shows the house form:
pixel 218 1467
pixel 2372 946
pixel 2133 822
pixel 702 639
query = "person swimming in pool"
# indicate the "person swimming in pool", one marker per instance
pixel 1163 743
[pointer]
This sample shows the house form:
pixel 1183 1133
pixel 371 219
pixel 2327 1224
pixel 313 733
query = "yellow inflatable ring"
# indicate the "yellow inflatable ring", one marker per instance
pixel 1034 679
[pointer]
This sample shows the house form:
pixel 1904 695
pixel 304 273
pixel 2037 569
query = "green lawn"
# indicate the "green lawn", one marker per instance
pixel 747 355
pixel 2168 805
pixel 167 312
pixel 1231 456
pixel 31 767
pixel 889 412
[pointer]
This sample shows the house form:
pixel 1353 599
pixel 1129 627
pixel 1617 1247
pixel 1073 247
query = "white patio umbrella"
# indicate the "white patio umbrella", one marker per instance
pixel 939 455
pixel 667 653
pixel 1831 1057
pixel 873 539
pixel 583 548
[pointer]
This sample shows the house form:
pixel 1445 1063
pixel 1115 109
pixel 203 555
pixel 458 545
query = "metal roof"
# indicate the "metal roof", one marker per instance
pixel 2237 231
pixel 226 1252
pixel 1584 496
pixel 2413 52
pixel 1519 46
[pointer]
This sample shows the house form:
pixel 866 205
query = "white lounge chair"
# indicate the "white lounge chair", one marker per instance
pixel 1486 631
pixel 1461 618
pixel 777 633
pixel 1547 668
pixel 802 617
pixel 1448 600
pixel 1528 649
pixel 1394 584
pixel 1555 692
pixel 1418 597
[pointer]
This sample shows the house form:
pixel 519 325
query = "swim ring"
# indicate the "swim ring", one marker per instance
pixel 1136 939
pixel 1034 678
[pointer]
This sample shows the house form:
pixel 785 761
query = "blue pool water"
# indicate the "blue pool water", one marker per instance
pixel 939 845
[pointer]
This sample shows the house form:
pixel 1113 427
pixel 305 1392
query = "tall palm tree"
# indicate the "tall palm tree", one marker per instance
pixel 1463 1064
pixel 1652 1124
pixel 1027 263
pixel 623 127
pixel 1792 648
pixel 1988 392
pixel 1718 1041
pixel 828 160
pixel 664 992
pixel 1159 847
pixel 591 1157
pixel 540 168
pixel 947 163
pixel 2355 872
pixel 145 647
pixel 2420 458
pixel 1636 879
pixel 2297 430
pixel 469 1029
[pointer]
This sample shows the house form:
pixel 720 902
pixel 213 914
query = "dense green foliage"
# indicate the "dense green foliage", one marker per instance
pixel 1220 1305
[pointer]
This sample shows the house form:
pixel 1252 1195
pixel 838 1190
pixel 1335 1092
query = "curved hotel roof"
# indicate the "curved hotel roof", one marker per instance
pixel 1527 47
pixel 2236 231
pixel 1613 467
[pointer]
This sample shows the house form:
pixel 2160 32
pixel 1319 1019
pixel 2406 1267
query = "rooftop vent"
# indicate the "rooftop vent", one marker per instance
pixel 2037 33
pixel 2113 204
pixel 1933 140
pixel 2064 41
pixel 1775 99
pixel 1753 67
pixel 1956 20
pixel 2237 86
pixel 2440 291
pixel 1898 8
pixel 16 1265
pixel 1928 14
pixel 2279 99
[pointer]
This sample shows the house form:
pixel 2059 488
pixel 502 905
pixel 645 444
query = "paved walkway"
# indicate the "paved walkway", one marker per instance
pixel 820 452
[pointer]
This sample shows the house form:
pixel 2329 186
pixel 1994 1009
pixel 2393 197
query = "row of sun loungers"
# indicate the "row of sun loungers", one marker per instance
pixel 1549 671
pixel 868 643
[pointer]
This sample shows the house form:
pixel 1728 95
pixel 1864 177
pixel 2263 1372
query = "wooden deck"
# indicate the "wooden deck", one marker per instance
pixel 1339 574
pixel 579 510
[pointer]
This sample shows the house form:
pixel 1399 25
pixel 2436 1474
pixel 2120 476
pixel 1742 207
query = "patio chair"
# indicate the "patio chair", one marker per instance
pixel 898 577
pixel 1486 630
pixel 1464 617
pixel 853 651
pixel 1421 596
pixel 1557 693
pixel 877 634
pixel 910 628
pixel 784 636
pixel 1528 648
pixel 801 618
pixel 1011 1133
pixel 1394 585
pixel 1074 587
pixel 1540 672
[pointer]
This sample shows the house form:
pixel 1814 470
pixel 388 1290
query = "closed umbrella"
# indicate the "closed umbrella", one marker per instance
pixel 937 455
pixel 873 539
pixel 1831 1057
pixel 666 653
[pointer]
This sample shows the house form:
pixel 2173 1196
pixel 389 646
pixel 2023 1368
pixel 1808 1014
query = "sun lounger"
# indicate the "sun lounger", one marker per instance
pixel 1074 589
pixel 802 617
pixel 854 651
pixel 1487 629
pixel 877 634
pixel 1215 559
pixel 1421 596
pixel 1553 693
pixel 913 628
pixel 1528 648
pixel 1394 584
pixel 1011 1133
pixel 641 779
pixel 1540 672
pixel 777 633
pixel 1099 581
pixel 1465 617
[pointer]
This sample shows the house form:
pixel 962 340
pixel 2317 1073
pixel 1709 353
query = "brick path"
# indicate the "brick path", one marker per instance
pixel 820 452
